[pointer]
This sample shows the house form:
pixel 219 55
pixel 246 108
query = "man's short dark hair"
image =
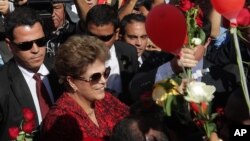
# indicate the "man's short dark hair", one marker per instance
pixel 102 14
pixel 20 16
pixel 127 130
pixel 133 17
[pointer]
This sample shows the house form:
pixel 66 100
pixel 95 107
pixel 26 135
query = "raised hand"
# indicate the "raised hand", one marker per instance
pixel 4 7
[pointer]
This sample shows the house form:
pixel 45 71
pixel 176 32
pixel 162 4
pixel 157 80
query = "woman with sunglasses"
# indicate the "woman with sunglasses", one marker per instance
pixel 85 110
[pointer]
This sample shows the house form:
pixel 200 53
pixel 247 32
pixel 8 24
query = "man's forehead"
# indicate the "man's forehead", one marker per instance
pixel 58 4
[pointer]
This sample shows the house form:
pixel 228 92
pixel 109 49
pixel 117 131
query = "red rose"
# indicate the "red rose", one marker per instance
pixel 28 114
pixel 199 123
pixel 29 126
pixel 197 106
pixel 185 5
pixel 13 132
pixel 220 111
pixel 199 18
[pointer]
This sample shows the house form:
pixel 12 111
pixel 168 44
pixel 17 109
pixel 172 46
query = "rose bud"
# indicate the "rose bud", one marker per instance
pixel 13 133
pixel 28 114
pixel 29 126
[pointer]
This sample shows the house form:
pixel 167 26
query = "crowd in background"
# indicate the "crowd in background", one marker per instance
pixel 87 69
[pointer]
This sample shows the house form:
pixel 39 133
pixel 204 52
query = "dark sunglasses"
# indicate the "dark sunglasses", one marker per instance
pixel 104 38
pixel 94 78
pixel 24 46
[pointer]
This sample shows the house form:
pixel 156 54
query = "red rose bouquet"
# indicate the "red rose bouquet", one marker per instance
pixel 195 37
pixel 194 15
pixel 26 129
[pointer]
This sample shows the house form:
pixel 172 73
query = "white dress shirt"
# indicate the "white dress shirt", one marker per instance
pixel 28 76
pixel 114 79
pixel 140 61
pixel 165 71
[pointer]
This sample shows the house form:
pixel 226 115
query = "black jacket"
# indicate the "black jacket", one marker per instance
pixel 15 95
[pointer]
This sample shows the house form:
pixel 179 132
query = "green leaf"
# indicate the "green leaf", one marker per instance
pixel 168 105
pixel 28 139
pixel 202 35
pixel 213 116
pixel 20 137
pixel 241 36
pixel 210 127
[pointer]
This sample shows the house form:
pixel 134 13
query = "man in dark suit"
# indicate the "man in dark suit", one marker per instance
pixel 26 39
pixel 133 31
pixel 102 22
pixel 226 54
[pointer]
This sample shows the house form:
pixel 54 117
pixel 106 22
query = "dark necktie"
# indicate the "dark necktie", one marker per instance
pixel 43 95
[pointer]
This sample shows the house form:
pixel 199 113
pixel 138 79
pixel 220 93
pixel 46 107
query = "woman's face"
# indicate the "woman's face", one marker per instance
pixel 91 90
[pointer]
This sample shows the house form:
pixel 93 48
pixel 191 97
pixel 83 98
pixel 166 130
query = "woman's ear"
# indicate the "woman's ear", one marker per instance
pixel 71 83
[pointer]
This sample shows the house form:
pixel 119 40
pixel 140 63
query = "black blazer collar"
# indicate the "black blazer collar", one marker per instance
pixel 19 86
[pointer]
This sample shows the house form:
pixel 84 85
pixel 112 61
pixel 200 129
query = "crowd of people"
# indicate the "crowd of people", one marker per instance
pixel 87 69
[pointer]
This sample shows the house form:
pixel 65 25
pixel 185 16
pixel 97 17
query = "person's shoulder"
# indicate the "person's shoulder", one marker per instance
pixel 59 111
pixel 124 46
pixel 108 96
pixel 5 71
pixel 63 103
pixel 158 54
pixel 111 100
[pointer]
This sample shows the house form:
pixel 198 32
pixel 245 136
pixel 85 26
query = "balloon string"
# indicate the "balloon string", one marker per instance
pixel 240 65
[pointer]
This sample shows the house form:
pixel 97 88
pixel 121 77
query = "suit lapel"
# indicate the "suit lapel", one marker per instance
pixel 119 58
pixel 19 86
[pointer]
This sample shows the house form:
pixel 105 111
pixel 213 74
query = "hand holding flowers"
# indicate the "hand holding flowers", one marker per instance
pixel 196 36
pixel 26 129
pixel 198 95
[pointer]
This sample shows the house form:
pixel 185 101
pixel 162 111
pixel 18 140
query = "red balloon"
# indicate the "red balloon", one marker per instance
pixel 228 8
pixel 166 27
pixel 243 19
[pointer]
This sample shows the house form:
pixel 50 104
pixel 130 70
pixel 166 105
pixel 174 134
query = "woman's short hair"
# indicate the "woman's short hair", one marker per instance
pixel 76 54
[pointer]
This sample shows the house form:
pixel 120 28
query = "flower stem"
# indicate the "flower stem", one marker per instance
pixel 240 65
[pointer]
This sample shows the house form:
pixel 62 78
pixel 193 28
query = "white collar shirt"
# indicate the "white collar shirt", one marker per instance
pixel 114 79
pixel 28 76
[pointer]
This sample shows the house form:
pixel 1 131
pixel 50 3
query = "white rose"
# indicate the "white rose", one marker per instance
pixel 196 41
pixel 199 92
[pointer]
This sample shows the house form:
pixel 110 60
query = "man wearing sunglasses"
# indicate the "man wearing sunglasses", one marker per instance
pixel 19 86
pixel 60 21
pixel 102 22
